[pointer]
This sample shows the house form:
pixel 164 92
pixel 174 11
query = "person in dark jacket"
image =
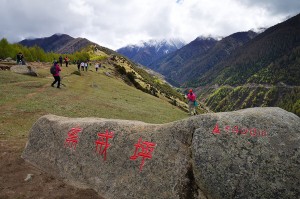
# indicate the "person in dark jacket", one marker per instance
pixel 20 58
pixel 78 65
pixel 56 76
pixel 60 59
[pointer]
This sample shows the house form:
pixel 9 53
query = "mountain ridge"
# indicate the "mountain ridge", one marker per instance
pixel 272 58
pixel 261 57
pixel 198 56
pixel 58 43
pixel 146 52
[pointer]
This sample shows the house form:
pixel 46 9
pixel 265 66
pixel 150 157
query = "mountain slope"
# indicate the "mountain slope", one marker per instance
pixel 263 72
pixel 169 65
pixel 199 56
pixel 122 67
pixel 147 52
pixel 134 75
pixel 270 58
pixel 219 53
pixel 58 43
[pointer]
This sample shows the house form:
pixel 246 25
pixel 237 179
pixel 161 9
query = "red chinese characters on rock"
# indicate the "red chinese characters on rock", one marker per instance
pixel 144 150
pixel 240 131
pixel 216 130
pixel 72 139
pixel 102 143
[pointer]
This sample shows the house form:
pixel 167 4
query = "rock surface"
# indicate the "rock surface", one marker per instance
pixel 162 176
pixel 252 153
pixel 24 69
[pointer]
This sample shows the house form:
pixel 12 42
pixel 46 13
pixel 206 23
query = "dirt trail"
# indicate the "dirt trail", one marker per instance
pixel 19 179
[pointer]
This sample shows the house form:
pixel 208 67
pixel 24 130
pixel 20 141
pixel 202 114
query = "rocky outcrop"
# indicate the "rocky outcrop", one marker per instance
pixel 24 69
pixel 252 153
pixel 7 63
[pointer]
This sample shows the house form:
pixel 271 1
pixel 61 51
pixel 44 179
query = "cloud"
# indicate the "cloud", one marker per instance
pixel 114 23
pixel 275 7
pixel 179 1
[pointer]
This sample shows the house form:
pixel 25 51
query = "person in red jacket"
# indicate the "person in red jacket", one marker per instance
pixel 191 102
pixel 56 75
pixel 66 61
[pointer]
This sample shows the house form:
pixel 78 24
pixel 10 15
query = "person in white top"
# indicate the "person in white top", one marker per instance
pixel 86 64
pixel 82 66
pixel 96 66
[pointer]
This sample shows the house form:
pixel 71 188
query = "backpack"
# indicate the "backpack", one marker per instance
pixel 53 70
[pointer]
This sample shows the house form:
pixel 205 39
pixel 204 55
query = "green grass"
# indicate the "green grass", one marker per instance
pixel 24 99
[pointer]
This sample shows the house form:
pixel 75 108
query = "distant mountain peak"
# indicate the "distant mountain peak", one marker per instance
pixel 145 52
pixel 58 42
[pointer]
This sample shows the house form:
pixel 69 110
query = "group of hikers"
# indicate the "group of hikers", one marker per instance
pixel 66 60
pixel 83 65
pixel 56 68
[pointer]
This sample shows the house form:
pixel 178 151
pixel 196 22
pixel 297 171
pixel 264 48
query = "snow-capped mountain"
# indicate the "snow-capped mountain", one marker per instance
pixel 145 52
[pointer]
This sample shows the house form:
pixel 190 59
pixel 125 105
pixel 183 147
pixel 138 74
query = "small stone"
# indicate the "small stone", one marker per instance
pixel 28 177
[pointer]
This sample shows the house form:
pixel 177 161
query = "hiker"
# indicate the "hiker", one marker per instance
pixel 66 61
pixel 82 66
pixel 78 65
pixel 60 59
pixel 97 66
pixel 192 102
pixel 56 75
pixel 86 64
pixel 20 60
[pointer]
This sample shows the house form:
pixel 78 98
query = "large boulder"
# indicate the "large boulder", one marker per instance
pixel 252 153
pixel 142 160
pixel 24 69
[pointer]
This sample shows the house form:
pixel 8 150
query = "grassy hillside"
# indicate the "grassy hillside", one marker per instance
pixel 24 99
pixel 270 58
pixel 228 98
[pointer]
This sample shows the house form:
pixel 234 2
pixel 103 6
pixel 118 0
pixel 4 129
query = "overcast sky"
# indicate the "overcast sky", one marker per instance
pixel 117 23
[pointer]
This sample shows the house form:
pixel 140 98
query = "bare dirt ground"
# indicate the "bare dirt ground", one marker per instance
pixel 19 179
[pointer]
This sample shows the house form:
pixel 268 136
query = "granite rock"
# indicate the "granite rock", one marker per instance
pixel 251 153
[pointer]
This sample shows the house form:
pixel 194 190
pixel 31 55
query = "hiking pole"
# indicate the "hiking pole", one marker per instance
pixel 61 82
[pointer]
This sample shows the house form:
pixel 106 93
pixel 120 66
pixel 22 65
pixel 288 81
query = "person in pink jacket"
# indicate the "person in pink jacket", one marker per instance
pixel 191 102
pixel 56 75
